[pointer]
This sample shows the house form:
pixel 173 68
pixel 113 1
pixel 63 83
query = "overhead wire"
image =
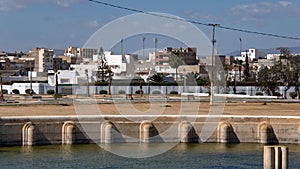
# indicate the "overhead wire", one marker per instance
pixel 194 22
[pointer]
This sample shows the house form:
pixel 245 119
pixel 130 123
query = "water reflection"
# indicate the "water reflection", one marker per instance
pixel 66 151
pixel 27 150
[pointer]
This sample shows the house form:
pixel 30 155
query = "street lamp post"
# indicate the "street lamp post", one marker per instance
pixel 1 96
pixel 212 62
pixel 30 78
pixel 56 82
pixel 87 83
pixel 109 80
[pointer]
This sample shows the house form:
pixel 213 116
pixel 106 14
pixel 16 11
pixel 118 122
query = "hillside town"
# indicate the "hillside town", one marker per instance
pixel 43 69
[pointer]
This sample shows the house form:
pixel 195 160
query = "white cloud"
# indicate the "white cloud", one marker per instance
pixel 201 16
pixel 66 3
pixel 93 24
pixel 258 12
pixel 285 3
pixel 8 5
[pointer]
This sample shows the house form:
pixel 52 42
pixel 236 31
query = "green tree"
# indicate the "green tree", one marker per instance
pixel 284 71
pixel 239 63
pixel 267 80
pixel 104 70
pixel 191 78
pixel 290 70
pixel 103 67
pixel 175 61
pixel 158 78
pixel 246 71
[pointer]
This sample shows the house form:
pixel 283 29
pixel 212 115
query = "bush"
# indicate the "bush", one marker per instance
pixel 156 92
pixel 4 91
pixel 277 94
pixel 56 95
pixel 29 91
pixel 173 92
pixel 103 92
pixel 259 94
pixel 293 95
pixel 138 92
pixel 16 91
pixel 50 92
pixel 242 93
pixel 121 92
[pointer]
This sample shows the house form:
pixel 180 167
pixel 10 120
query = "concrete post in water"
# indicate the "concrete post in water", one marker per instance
pixel 184 129
pixel 28 134
pixel 145 131
pixel 299 135
pixel 68 133
pixel 275 157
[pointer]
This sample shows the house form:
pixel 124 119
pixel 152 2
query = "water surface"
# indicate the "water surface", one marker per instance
pixel 207 155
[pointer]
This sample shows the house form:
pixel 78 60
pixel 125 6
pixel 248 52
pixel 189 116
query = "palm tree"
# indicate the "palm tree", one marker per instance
pixel 175 61
pixel 238 63
pixel 157 78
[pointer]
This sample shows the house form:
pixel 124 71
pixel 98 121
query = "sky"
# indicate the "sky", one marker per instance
pixel 58 24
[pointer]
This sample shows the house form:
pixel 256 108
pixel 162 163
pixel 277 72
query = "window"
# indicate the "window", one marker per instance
pixel 64 81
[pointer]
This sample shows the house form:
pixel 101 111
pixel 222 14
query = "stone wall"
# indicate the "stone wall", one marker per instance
pixel 70 130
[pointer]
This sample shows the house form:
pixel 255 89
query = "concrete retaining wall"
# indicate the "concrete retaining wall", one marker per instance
pixel 70 130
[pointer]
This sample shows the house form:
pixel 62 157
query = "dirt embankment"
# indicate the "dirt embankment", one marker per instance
pixel 202 108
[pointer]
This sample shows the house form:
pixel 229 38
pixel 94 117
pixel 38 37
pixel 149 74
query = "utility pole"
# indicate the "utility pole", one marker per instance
pixel 87 83
pixel 212 62
pixel 155 43
pixel 144 46
pixel 1 96
pixel 241 46
pixel 122 47
pixel 56 82
pixel 30 78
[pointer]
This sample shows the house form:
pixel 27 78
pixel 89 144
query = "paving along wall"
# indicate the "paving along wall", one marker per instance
pixel 70 130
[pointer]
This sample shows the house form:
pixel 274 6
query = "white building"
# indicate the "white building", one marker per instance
pixel 253 54
pixel 273 56
pixel 78 74
pixel 121 65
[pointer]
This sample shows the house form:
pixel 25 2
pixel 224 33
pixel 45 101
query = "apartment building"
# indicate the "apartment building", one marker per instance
pixel 43 58
pixel 80 52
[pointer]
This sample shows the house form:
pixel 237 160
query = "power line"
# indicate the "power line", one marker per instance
pixel 193 21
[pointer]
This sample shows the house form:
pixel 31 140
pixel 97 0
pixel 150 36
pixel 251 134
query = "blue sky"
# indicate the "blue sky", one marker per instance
pixel 61 23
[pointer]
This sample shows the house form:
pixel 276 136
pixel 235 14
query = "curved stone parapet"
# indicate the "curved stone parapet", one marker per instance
pixel 68 133
pixel 28 134
pixel 226 134
pixel 184 131
pixel 146 131
pixel 106 132
pixel 266 133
